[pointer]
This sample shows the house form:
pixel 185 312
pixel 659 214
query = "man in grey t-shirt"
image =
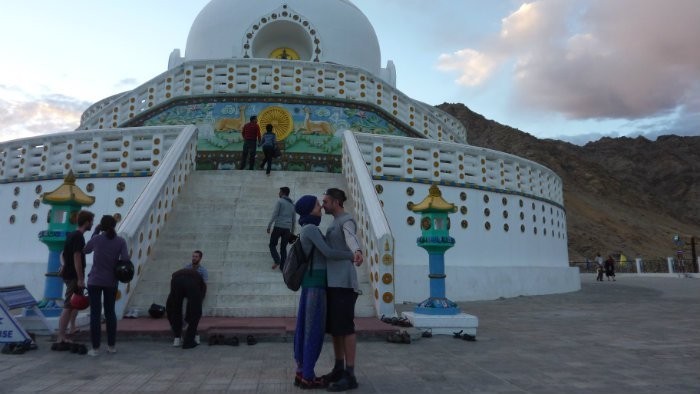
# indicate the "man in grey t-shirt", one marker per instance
pixel 283 218
pixel 342 292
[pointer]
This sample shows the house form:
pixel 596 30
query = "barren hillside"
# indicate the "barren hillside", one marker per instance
pixel 621 195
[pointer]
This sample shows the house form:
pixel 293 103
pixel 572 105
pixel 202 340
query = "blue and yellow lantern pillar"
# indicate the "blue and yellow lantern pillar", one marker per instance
pixel 435 238
pixel 438 313
pixel 66 201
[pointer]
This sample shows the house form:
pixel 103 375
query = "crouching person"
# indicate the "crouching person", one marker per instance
pixel 185 283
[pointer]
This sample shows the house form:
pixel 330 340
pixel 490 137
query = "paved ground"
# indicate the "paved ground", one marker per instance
pixel 636 335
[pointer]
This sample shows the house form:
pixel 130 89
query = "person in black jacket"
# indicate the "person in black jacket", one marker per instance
pixel 185 283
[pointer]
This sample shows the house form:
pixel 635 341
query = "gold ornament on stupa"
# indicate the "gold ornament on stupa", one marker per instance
pixel 434 202
pixel 68 192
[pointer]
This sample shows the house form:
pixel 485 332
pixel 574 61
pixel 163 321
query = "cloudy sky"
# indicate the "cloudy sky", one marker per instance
pixel 567 69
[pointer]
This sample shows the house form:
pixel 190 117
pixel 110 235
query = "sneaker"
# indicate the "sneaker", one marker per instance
pixel 177 342
pixel 111 349
pixel 196 339
pixel 345 383
pixel 93 352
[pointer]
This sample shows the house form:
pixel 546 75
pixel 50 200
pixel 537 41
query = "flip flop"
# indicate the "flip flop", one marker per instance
pixel 395 337
pixel 469 337
pixel 405 337
pixel 457 335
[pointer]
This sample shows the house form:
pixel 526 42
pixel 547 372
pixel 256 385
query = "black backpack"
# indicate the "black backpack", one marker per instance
pixel 296 265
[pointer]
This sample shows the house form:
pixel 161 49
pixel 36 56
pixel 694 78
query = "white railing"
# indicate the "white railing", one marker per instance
pixel 137 150
pixel 142 225
pixel 414 159
pixel 373 227
pixel 272 77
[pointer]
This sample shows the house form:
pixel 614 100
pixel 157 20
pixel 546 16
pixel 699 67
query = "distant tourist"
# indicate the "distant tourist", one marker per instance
pixel 185 283
pixel 283 219
pixel 251 139
pixel 196 265
pixel 73 272
pixel 599 267
pixel 268 143
pixel 109 248
pixel 610 268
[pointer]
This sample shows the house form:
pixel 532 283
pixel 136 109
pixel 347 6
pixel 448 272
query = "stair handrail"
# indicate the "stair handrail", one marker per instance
pixel 141 226
pixel 373 226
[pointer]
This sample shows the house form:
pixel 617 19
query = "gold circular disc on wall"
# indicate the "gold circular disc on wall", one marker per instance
pixel 284 53
pixel 280 119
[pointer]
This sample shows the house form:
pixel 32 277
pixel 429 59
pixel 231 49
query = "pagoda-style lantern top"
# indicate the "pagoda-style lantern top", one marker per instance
pixel 68 194
pixel 435 223
pixel 434 203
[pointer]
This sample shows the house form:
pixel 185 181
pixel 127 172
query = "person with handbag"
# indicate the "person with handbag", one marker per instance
pixel 311 316
pixel 109 249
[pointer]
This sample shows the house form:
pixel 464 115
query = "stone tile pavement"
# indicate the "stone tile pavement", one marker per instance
pixel 636 335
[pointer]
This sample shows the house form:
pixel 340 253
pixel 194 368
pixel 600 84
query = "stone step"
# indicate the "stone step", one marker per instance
pixel 225 214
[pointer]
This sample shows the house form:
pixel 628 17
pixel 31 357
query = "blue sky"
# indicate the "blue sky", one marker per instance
pixel 567 69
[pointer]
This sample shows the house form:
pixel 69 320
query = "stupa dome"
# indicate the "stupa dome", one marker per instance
pixel 333 31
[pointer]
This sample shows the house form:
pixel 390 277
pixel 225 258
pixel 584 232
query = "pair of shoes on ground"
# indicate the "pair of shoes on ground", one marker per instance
pixel 399 337
pixel 397 321
pixel 62 346
pixel 18 348
pixel 465 336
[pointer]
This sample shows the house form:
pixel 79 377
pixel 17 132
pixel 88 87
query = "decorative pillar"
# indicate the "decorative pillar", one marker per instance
pixel 66 201
pixel 435 239
pixel 437 313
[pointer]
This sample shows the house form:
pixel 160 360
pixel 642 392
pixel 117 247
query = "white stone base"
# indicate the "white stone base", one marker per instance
pixel 444 324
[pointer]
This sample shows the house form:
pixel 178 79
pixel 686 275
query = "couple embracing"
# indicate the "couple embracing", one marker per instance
pixel 328 294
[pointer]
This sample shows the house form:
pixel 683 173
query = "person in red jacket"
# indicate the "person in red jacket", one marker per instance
pixel 251 139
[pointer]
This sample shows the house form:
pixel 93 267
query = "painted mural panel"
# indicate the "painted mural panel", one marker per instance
pixel 301 128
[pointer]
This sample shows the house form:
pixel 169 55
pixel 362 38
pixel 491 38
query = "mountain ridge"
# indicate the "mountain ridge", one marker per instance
pixel 622 195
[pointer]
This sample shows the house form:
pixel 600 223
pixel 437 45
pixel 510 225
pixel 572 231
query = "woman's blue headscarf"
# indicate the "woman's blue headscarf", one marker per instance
pixel 303 208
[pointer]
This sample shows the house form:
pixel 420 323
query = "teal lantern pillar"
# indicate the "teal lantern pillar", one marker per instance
pixel 435 238
pixel 66 201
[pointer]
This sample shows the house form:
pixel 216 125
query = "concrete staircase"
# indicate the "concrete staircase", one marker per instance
pixel 225 214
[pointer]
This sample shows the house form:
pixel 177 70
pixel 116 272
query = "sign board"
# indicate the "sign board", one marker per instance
pixel 12 298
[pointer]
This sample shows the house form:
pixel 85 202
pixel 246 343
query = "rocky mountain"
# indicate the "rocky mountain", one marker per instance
pixel 628 195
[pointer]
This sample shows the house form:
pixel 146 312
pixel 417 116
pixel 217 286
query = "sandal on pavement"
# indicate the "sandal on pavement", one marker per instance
pixel 405 337
pixel 469 337
pixel 394 337
pixel 231 341
pixel 250 340
pixel 457 335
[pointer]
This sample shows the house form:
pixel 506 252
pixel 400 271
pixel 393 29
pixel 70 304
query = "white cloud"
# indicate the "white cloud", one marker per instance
pixel 474 67
pixel 596 59
pixel 23 116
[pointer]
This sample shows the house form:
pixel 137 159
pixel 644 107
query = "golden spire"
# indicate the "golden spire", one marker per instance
pixel 68 192
pixel 434 202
